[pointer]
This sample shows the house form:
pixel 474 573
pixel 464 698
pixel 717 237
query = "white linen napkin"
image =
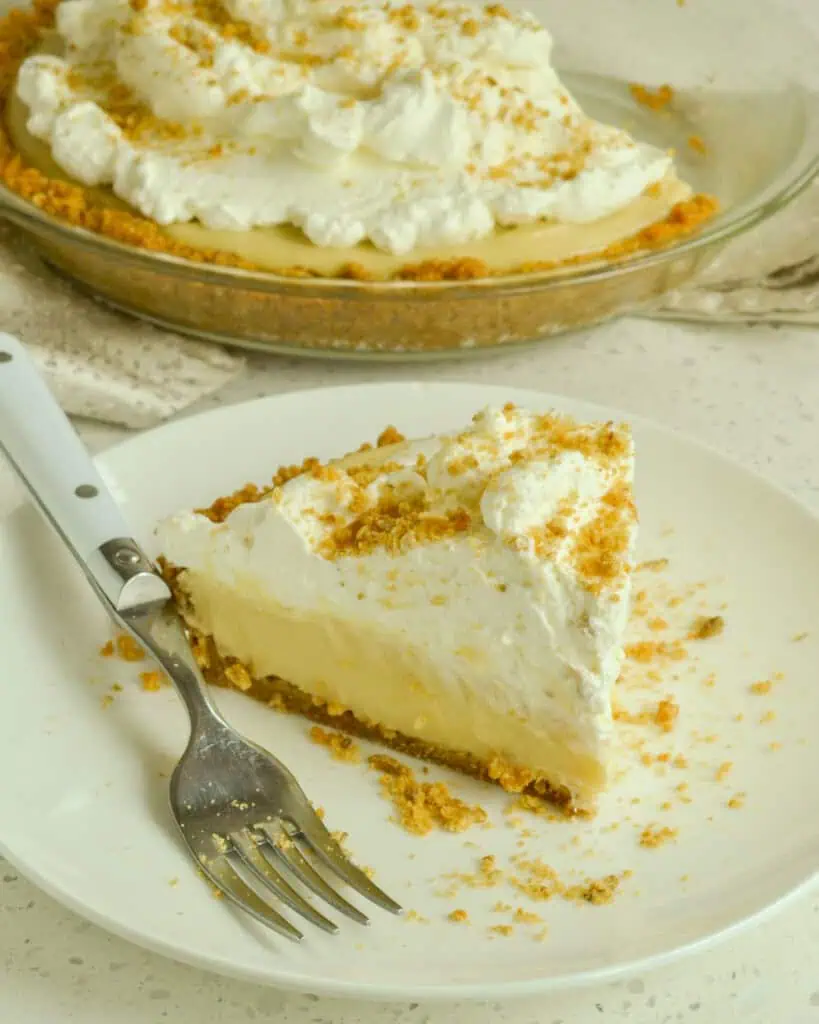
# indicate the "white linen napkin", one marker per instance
pixel 99 363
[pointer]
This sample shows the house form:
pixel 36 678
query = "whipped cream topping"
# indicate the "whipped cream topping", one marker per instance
pixel 497 611
pixel 408 126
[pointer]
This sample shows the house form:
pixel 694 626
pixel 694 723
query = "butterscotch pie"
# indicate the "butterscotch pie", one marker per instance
pixel 317 138
pixel 462 598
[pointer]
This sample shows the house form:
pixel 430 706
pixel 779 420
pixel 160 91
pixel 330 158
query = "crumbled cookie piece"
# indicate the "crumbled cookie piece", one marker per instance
pixel 423 806
pixel 128 649
pixel 655 99
pixel 666 714
pixel 654 836
pixel 151 681
pixel 341 747
pixel 707 626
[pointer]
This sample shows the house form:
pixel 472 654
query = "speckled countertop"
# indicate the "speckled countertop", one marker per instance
pixel 752 392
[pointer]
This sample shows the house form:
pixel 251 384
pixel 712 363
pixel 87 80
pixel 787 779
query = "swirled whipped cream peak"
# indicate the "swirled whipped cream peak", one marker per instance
pixel 467 592
pixel 406 125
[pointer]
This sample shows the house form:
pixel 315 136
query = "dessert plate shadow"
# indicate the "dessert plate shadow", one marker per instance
pixel 716 820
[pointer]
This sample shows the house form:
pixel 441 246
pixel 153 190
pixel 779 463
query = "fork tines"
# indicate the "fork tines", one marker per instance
pixel 259 865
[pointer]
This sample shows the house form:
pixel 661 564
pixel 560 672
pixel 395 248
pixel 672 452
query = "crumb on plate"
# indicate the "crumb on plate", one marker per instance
pixel 151 681
pixel 128 649
pixel 654 836
pixel 654 99
pixel 707 626
pixel 340 746
pixel 423 806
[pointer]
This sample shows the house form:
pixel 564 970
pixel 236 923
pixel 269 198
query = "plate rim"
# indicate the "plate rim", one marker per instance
pixel 438 994
pixel 435 993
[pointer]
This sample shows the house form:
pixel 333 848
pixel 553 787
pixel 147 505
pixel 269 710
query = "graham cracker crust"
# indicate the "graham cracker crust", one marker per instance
pixel 229 673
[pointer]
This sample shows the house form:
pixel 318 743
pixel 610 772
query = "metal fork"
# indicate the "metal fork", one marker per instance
pixel 243 816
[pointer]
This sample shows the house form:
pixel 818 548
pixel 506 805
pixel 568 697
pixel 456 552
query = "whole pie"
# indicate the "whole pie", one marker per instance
pixel 462 598
pixel 374 140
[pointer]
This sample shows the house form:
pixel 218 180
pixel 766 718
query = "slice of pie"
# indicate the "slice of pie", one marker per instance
pixel 461 598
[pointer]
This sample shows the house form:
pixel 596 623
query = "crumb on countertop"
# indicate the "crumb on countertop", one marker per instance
pixel 459 916
pixel 760 688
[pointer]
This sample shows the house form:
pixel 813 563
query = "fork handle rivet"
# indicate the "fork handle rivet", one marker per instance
pixel 124 557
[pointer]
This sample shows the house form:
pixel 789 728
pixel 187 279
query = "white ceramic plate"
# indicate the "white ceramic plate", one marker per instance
pixel 83 801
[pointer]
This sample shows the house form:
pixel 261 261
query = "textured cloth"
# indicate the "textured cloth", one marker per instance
pixel 99 363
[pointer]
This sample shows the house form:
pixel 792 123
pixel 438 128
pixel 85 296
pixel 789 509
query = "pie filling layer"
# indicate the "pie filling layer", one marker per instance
pixel 391 690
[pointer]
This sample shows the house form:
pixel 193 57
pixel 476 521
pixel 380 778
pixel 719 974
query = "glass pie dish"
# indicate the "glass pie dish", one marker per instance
pixel 744 125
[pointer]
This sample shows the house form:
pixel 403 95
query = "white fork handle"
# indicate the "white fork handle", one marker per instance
pixel 55 467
